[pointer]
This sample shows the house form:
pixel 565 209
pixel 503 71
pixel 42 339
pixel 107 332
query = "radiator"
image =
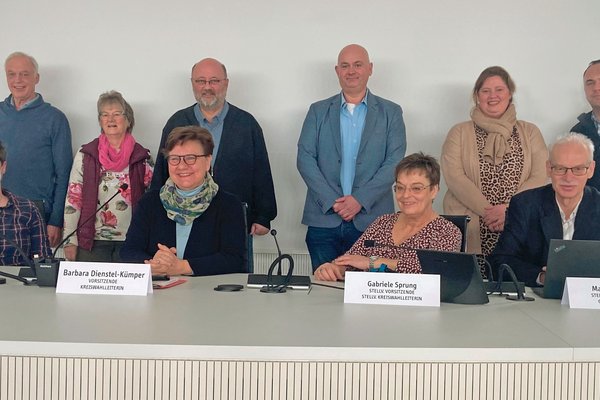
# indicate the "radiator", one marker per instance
pixel 82 378
pixel 302 264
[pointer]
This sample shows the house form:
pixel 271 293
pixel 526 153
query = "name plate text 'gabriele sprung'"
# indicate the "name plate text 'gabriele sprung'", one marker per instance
pixel 389 288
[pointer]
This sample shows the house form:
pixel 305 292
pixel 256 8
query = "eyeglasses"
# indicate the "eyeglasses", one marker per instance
pixel 189 159
pixel 577 171
pixel 114 115
pixel 211 82
pixel 411 189
pixel 23 75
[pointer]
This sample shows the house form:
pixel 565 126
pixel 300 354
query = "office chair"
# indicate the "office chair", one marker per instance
pixel 461 221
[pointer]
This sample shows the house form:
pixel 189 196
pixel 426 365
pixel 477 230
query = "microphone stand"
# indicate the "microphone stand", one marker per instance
pixel 24 255
pixel 121 189
pixel 281 288
pixel 520 296
pixel 47 269
pixel 274 233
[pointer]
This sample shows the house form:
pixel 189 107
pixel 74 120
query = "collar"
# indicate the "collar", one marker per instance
pixel 217 119
pixel 27 104
pixel 191 192
pixel 10 196
pixel 563 217
pixel 344 103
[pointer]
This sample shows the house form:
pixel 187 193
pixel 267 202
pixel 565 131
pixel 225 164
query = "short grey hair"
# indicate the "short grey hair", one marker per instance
pixel 577 138
pixel 21 54
pixel 114 97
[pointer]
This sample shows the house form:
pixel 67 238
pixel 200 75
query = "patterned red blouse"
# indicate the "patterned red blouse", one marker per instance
pixel 440 234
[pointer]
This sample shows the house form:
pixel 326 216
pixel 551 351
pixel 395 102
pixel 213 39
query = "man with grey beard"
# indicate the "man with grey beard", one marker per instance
pixel 240 159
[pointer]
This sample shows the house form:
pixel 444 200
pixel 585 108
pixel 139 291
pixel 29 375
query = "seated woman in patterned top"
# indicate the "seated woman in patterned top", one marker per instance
pixel 415 226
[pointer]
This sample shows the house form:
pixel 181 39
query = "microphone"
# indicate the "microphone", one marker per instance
pixel 47 269
pixel 121 189
pixel 274 233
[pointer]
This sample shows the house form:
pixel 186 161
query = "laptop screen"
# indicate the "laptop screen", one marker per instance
pixel 577 258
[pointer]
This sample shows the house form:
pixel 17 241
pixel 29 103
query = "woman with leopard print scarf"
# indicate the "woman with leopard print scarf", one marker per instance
pixel 487 160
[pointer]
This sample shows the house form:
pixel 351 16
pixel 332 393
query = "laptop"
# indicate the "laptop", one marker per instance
pixel 576 258
pixel 460 279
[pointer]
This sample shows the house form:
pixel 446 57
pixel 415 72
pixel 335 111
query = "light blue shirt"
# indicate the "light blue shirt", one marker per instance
pixel 352 123
pixel 182 232
pixel 27 104
pixel 215 127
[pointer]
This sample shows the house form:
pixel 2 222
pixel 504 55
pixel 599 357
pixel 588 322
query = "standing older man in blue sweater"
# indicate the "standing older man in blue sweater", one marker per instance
pixel 38 141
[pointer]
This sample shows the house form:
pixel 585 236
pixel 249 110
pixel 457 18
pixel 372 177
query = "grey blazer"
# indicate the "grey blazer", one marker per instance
pixel 382 146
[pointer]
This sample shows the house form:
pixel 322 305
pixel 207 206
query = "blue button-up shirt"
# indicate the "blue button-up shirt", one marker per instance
pixel 215 127
pixel 352 123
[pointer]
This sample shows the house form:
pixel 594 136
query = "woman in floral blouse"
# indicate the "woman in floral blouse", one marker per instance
pixel 100 168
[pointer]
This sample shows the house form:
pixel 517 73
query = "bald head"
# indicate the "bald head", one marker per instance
pixel 353 70
pixel 355 50
pixel 210 63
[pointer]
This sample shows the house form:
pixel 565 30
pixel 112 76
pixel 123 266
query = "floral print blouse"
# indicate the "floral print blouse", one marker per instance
pixel 113 220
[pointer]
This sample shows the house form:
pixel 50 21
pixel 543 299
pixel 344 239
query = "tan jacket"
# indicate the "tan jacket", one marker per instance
pixel 460 167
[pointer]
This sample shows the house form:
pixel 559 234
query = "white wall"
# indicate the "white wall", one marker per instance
pixel 280 57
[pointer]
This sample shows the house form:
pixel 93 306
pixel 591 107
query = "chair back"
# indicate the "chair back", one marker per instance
pixel 461 221
pixel 248 253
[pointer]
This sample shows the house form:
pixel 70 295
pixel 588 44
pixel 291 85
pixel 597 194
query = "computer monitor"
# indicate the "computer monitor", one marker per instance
pixel 460 279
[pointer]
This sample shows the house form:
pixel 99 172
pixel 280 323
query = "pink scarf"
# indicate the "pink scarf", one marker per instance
pixel 114 160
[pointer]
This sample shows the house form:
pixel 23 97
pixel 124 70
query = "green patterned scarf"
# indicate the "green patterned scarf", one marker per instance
pixel 183 210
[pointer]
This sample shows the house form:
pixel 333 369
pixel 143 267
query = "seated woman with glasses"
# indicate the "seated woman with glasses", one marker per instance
pixel 112 163
pixel 389 242
pixel 189 226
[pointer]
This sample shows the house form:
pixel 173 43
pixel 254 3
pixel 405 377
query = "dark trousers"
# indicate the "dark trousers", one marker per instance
pixel 326 244
pixel 102 251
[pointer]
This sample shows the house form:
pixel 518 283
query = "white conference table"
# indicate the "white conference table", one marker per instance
pixel 194 323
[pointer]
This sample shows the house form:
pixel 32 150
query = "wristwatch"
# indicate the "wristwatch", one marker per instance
pixel 372 260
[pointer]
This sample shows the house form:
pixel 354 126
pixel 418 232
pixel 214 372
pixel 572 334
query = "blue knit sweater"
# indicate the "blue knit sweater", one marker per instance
pixel 37 139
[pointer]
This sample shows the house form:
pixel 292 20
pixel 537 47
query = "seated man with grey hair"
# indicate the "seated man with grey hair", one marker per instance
pixel 565 209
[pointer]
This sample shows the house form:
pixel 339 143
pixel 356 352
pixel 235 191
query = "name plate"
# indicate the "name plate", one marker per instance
pixel 581 293
pixel 104 278
pixel 396 289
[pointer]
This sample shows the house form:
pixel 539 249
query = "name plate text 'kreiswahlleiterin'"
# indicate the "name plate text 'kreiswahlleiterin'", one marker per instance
pixel 104 278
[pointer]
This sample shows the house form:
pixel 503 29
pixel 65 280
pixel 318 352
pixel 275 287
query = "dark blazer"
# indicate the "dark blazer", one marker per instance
pixel 587 127
pixel 241 167
pixel 382 146
pixel 533 219
pixel 216 244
